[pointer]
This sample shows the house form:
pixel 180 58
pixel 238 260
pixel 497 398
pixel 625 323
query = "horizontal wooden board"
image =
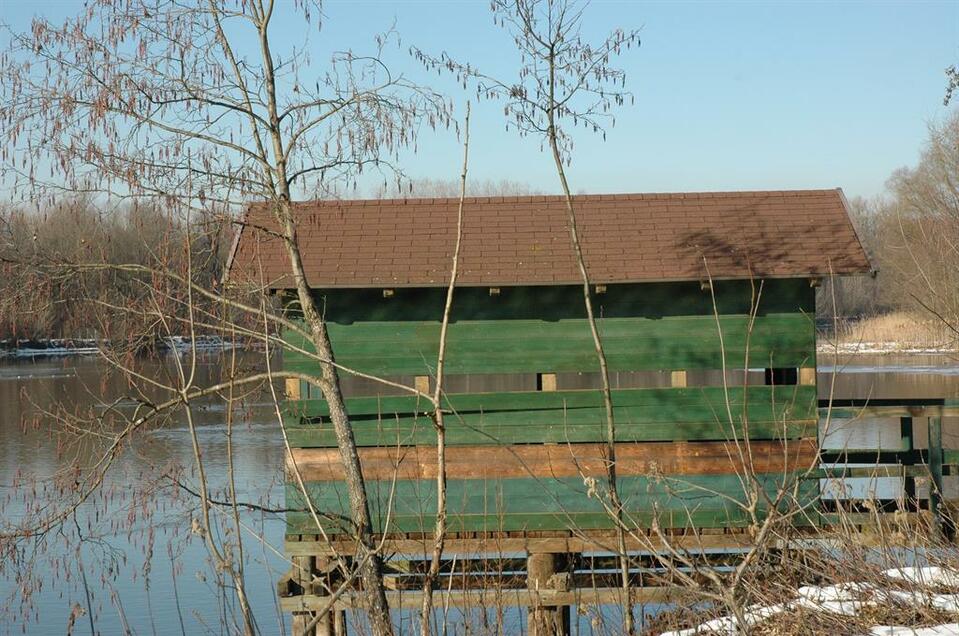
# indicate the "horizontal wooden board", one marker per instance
pixel 559 302
pixel 682 404
pixel 538 504
pixel 561 460
pixel 664 414
pixel 518 346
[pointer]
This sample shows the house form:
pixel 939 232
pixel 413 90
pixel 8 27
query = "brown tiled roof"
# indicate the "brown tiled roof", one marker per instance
pixel 525 240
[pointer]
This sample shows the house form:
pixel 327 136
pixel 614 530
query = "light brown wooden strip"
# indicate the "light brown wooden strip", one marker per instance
pixel 292 388
pixel 422 384
pixel 548 381
pixel 488 544
pixel 561 460
pixel 807 376
pixel 677 378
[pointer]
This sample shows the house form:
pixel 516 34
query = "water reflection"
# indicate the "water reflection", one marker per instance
pixel 127 523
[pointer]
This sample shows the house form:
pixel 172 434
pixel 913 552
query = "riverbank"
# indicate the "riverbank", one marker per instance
pixel 898 332
pixel 64 347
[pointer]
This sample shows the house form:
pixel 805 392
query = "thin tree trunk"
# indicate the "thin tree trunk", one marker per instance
pixel 600 353
pixel 439 537
pixel 370 562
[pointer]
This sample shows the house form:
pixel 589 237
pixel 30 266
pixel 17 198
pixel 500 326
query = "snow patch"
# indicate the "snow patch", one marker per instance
pixel 847 599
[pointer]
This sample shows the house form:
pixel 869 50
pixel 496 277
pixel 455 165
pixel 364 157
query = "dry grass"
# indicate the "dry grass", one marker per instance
pixel 905 330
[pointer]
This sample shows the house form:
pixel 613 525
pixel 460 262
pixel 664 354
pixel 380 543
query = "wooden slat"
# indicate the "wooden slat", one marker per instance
pixel 408 599
pixel 561 460
pixel 677 404
pixel 496 543
pixel 537 417
pixel 807 376
pixel 519 346
pixel 540 504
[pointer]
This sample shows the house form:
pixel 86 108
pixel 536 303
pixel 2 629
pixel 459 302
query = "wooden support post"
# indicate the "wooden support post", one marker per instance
pixel 677 378
pixel 303 569
pixel 541 569
pixel 941 521
pixel 807 376
pixel 908 446
pixel 333 622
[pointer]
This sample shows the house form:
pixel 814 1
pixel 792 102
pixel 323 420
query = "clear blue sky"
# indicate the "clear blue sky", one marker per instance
pixel 729 96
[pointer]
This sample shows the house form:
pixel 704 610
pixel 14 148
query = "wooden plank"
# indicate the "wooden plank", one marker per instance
pixel 540 504
pixel 645 415
pixel 807 376
pixel 676 404
pixel 518 346
pixel 522 428
pixel 546 461
pixel 557 302
pixel 409 599
pixel 494 544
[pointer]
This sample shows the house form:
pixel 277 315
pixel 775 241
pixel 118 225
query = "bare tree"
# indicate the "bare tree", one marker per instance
pixel 562 80
pixel 439 537
pixel 199 108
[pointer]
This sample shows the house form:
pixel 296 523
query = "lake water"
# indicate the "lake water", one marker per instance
pixel 98 563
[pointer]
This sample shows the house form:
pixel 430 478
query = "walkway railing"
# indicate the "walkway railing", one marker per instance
pixel 905 462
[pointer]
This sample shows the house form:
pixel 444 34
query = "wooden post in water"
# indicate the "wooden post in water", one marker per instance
pixel 942 523
pixel 908 446
pixel 303 569
pixel 545 621
pixel 333 622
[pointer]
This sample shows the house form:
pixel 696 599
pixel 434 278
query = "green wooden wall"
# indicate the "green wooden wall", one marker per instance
pixel 530 330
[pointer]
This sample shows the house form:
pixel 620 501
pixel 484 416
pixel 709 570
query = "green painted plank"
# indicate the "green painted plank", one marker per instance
pixel 653 415
pixel 517 346
pixel 686 404
pixel 530 504
pixel 476 429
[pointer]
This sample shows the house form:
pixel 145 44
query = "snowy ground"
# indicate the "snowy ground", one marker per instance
pixel 60 348
pixel 849 599
pixel 884 347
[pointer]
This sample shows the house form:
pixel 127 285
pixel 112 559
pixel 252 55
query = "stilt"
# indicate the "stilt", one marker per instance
pixel 303 569
pixel 545 621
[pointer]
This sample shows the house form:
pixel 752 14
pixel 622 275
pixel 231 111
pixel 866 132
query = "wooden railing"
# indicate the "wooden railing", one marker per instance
pixel 907 462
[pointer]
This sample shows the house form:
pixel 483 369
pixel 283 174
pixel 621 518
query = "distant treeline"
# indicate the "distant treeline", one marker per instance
pixel 58 280
pixel 57 268
pixel 912 235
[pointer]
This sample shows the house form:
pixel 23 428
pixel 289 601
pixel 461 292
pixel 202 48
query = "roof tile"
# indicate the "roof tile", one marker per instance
pixel 625 238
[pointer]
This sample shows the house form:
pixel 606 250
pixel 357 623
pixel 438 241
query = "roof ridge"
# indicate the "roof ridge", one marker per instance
pixel 546 198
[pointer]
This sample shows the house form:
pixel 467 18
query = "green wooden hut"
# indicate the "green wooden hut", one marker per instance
pixel 706 306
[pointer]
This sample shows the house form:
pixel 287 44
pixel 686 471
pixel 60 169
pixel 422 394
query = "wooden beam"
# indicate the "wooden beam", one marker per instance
pixel 410 599
pixel 552 620
pixel 491 544
pixel 807 376
pixel 558 460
